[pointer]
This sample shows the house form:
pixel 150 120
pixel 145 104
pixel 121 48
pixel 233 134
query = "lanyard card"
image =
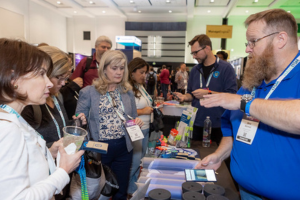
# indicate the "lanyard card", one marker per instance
pixel 134 130
pixel 247 129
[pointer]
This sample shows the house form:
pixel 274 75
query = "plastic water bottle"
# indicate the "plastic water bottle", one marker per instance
pixel 206 132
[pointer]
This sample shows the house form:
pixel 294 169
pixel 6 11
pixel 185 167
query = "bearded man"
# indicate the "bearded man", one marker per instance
pixel 261 126
pixel 87 68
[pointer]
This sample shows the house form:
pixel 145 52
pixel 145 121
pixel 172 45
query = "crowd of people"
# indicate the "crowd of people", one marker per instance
pixel 256 126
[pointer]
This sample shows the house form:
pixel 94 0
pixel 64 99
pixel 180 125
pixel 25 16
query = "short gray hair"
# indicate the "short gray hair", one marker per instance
pixel 102 38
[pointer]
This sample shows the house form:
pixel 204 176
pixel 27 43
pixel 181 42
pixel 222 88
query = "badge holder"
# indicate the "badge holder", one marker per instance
pixel 247 129
pixel 134 131
pixel 99 147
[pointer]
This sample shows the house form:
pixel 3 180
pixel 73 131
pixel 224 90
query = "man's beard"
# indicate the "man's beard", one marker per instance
pixel 259 68
pixel 201 60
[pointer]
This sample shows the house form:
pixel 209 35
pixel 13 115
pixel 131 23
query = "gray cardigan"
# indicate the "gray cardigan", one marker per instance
pixel 88 103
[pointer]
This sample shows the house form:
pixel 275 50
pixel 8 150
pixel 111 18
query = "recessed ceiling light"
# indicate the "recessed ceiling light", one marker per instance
pixel 288 11
pixel 103 11
pixel 232 50
pixel 75 12
pixel 91 2
pixel 139 11
pixel 247 11
pixel 211 1
pixel 208 11
pixel 255 1
pixel 131 1
pixel 168 1
pixel 170 11
pixel 58 2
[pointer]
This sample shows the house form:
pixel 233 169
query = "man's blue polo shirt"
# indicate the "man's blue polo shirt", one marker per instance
pixel 270 166
pixel 222 80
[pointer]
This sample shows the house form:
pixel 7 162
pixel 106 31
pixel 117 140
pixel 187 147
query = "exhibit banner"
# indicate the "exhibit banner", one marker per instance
pixel 219 31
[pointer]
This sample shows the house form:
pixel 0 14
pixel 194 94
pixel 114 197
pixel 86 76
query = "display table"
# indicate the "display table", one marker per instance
pixel 169 176
pixel 224 178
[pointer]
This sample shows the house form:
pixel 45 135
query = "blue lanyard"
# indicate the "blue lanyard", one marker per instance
pixel 143 92
pixel 208 81
pixel 61 115
pixel 117 111
pixel 209 78
pixel 12 111
pixel 289 69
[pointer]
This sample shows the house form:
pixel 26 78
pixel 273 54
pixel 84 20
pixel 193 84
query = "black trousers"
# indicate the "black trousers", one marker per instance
pixel 150 89
pixel 216 134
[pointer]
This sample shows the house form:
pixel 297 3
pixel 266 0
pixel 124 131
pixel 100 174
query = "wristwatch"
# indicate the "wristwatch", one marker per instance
pixel 244 100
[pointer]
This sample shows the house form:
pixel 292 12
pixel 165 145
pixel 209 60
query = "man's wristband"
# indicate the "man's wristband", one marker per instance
pixel 247 108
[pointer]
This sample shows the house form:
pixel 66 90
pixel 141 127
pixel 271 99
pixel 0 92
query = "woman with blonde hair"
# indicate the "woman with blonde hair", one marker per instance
pixel 108 104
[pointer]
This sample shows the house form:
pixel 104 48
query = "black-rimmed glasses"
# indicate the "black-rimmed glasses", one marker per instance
pixel 252 43
pixel 61 78
pixel 195 52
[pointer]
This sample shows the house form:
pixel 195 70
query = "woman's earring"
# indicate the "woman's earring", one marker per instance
pixel 15 87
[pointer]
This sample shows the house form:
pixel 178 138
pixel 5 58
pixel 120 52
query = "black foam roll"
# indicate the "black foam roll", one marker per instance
pixel 230 194
pixel 193 196
pixel 210 189
pixel 216 197
pixel 159 194
pixel 191 186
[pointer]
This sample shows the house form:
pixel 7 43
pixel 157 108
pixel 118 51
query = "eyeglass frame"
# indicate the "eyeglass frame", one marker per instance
pixel 195 52
pixel 61 78
pixel 258 39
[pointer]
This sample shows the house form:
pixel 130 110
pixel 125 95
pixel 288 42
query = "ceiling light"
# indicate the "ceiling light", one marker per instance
pixel 208 11
pixel 288 11
pixel 255 1
pixel 211 1
pixel 131 1
pixel 58 2
pixel 168 1
pixel 75 12
pixel 170 11
pixel 103 11
pixel 247 11
pixel 91 2
pixel 232 50
pixel 139 11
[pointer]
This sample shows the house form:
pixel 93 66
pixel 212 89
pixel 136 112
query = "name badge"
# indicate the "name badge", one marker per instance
pixel 247 129
pixel 134 130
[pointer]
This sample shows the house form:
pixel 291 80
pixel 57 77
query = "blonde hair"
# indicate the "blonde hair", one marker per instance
pixel 113 57
pixel 61 63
